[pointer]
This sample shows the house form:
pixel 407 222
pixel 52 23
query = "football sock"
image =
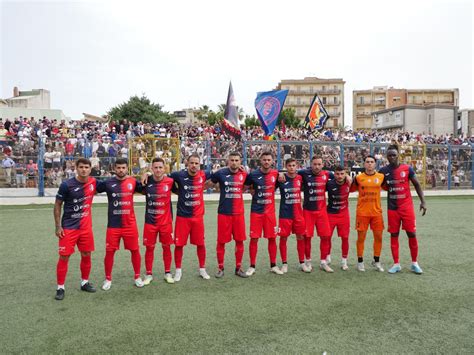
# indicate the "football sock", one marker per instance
pixel 413 244
pixel 136 262
pixel 61 271
pixel 394 246
pixel 149 257
pixel 283 249
pixel 109 263
pixel 324 247
pixel 300 246
pixel 307 248
pixel 85 266
pixel 272 250
pixel 239 253
pixel 201 253
pixel 166 257
pixel 377 259
pixel 329 244
pixel 345 247
pixel 178 256
pixel 360 243
pixel 220 252
pixel 253 248
pixel 378 242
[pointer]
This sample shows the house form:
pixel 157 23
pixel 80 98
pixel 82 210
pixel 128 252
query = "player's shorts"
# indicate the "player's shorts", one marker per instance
pixel 84 239
pixel 320 220
pixel 185 227
pixel 229 226
pixel 406 218
pixel 263 222
pixel 129 236
pixel 341 221
pixel 287 226
pixel 150 232
pixel 375 222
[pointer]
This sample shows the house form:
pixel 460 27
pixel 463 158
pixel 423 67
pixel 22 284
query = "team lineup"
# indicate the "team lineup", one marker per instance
pixel 296 215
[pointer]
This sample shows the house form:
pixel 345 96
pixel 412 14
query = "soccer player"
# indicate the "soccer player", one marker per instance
pixel 291 218
pixel 75 226
pixel 338 212
pixel 158 219
pixel 400 207
pixel 230 218
pixel 122 223
pixel 369 211
pixel 190 214
pixel 315 212
pixel 263 182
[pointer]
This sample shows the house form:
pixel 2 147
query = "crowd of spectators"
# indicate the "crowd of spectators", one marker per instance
pixel 103 142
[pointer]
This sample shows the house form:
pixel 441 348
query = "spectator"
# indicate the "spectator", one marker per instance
pixel 8 164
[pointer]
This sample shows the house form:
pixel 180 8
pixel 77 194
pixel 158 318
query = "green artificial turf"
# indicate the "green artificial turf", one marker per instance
pixel 344 312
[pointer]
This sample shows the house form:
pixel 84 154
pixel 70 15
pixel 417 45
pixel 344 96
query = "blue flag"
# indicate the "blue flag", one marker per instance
pixel 269 105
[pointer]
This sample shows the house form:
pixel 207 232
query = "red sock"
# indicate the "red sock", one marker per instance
pixel 329 244
pixel 239 253
pixel 324 247
pixel 61 270
pixel 109 263
pixel 178 256
pixel 86 265
pixel 136 262
pixel 220 252
pixel 345 247
pixel 253 248
pixel 149 257
pixel 413 244
pixel 307 248
pixel 272 250
pixel 394 246
pixel 201 253
pixel 283 249
pixel 167 257
pixel 300 246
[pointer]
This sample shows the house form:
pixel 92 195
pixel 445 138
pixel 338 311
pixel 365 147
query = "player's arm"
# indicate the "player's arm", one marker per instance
pixel 58 204
pixel 420 193
pixel 138 186
pixel 354 185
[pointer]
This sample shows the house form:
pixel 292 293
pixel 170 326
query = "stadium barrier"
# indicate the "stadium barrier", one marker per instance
pixel 440 167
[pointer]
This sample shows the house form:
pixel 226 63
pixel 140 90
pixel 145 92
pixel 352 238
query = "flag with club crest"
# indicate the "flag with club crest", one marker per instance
pixel 317 115
pixel 269 105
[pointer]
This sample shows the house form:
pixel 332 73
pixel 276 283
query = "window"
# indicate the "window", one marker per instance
pixel 361 99
pixel 311 89
pixel 335 99
pixel 335 87
pixel 429 119
pixel 298 100
pixel 324 101
pixel 324 88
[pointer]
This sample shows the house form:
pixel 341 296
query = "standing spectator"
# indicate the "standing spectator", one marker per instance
pixel 31 173
pixel 48 159
pixel 20 174
pixel 56 159
pixel 8 164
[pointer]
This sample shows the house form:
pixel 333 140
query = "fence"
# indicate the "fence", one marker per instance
pixel 437 166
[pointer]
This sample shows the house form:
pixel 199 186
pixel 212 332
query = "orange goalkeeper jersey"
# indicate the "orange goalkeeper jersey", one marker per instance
pixel 369 187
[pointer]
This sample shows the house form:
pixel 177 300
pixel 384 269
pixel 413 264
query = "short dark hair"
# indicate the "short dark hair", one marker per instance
pixel 290 160
pixel 392 146
pixel 158 160
pixel 339 168
pixel 369 156
pixel 121 161
pixel 316 157
pixel 265 153
pixel 84 161
pixel 235 154
pixel 193 155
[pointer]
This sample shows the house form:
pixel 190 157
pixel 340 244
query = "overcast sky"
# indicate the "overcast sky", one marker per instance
pixel 94 55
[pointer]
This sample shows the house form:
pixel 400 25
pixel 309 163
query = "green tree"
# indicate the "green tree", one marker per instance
pixel 251 121
pixel 289 115
pixel 140 109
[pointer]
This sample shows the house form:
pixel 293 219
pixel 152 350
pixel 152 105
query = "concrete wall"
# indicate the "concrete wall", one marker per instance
pixel 13 112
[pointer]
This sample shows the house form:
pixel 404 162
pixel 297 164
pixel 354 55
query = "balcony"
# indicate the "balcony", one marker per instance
pixel 319 92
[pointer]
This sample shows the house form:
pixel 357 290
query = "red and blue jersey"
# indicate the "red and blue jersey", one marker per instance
pixel 290 201
pixel 397 181
pixel 314 187
pixel 77 197
pixel 120 196
pixel 338 196
pixel 264 185
pixel 231 186
pixel 190 192
pixel 158 208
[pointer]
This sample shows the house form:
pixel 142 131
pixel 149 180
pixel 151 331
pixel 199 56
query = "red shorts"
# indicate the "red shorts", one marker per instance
pixel 343 223
pixel 291 226
pixel 185 227
pixel 84 239
pixel 230 226
pixel 263 222
pixel 151 231
pixel 375 222
pixel 405 218
pixel 320 220
pixel 129 236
